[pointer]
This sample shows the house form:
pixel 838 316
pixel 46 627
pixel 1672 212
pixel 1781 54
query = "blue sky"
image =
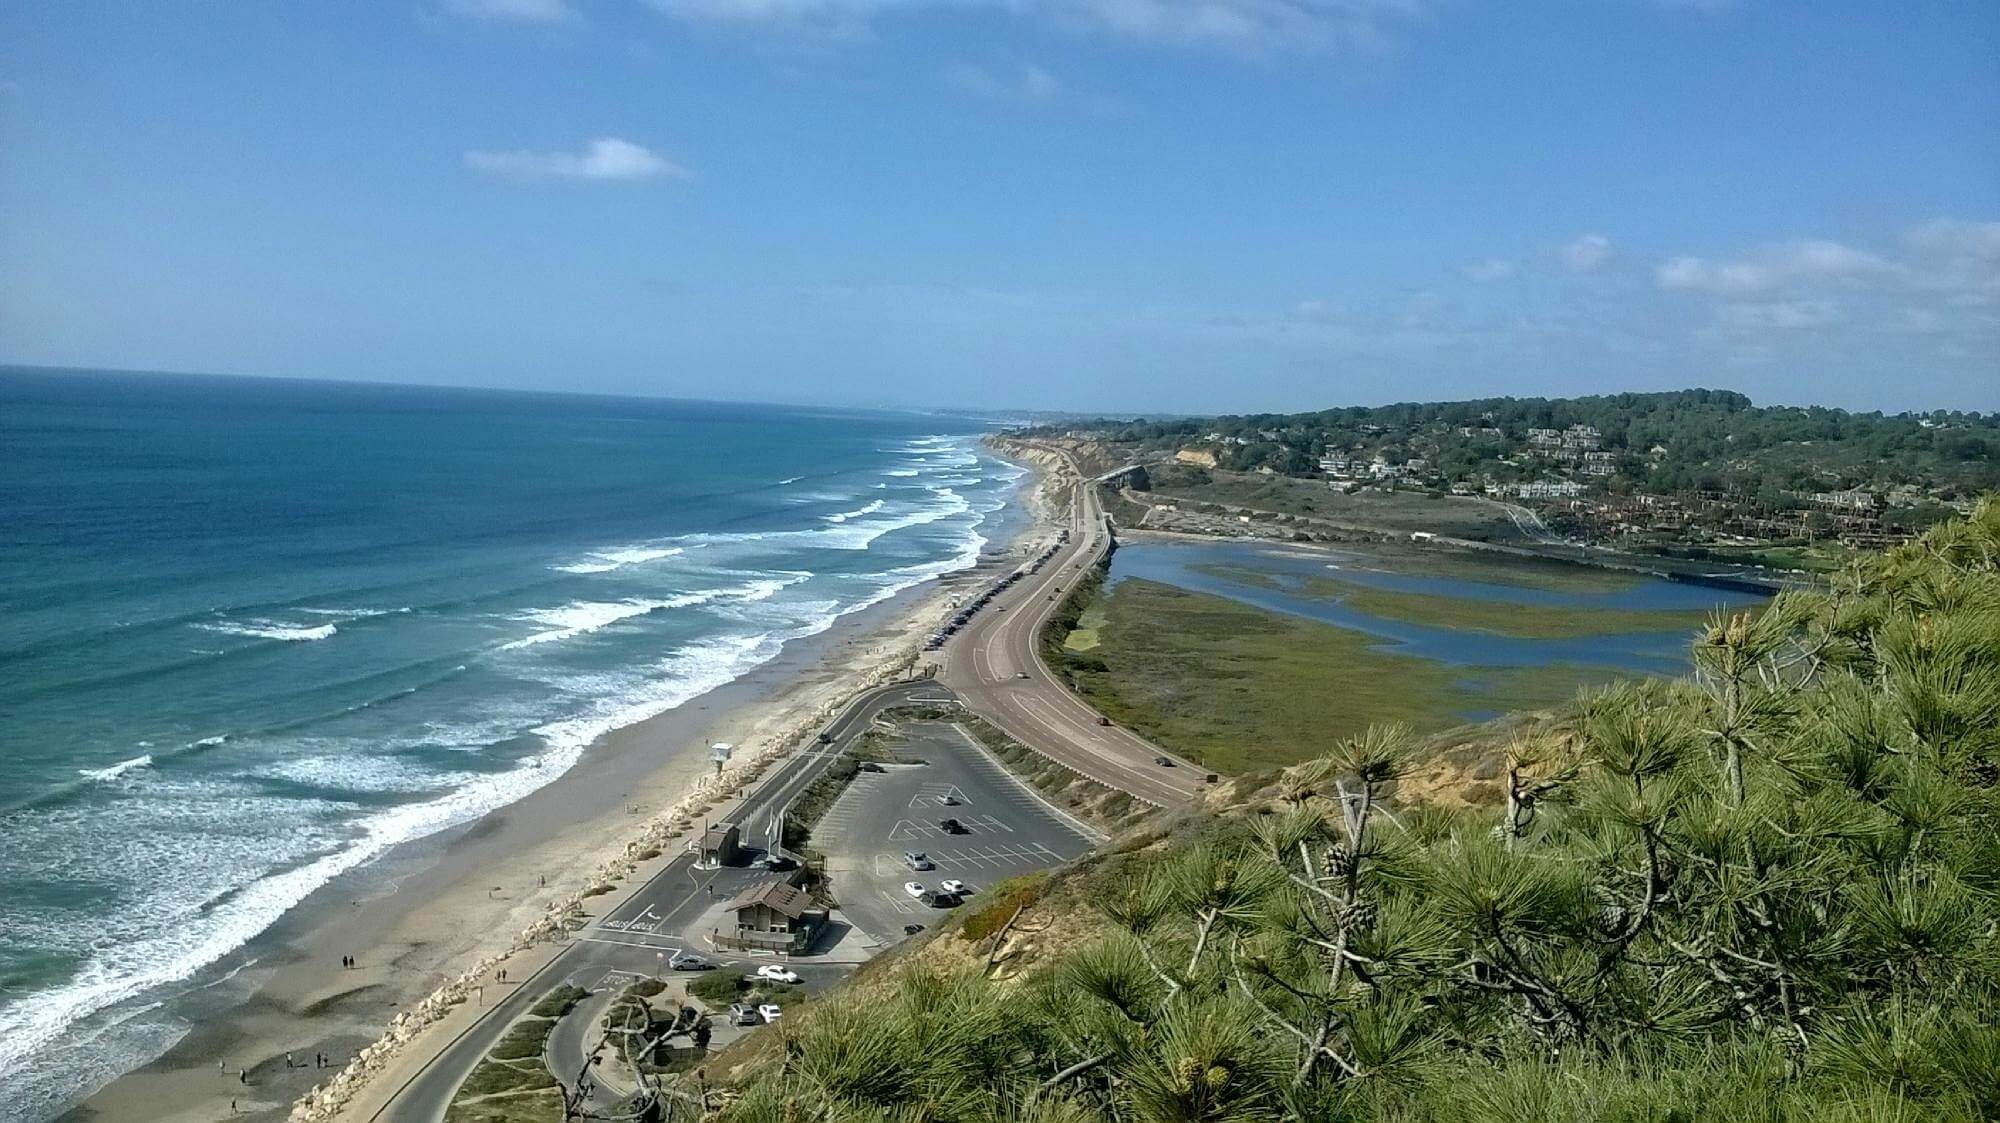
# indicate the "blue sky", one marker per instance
pixel 1155 205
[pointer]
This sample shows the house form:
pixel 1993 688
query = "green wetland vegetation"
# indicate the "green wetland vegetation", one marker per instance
pixel 1242 688
pixel 1768 891
pixel 1503 618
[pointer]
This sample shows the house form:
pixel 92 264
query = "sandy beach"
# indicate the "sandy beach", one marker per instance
pixel 434 907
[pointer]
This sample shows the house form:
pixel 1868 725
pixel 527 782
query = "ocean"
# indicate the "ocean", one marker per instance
pixel 254 633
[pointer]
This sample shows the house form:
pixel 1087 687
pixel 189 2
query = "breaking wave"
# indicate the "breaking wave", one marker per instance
pixel 271 629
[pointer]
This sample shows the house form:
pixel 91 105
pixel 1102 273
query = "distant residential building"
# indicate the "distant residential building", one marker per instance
pixel 1339 464
pixel 1576 438
pixel 1551 489
pixel 1581 437
pixel 1852 499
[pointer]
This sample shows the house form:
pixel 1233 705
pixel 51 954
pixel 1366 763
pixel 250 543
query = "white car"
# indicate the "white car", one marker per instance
pixel 914 889
pixel 771 1011
pixel 952 886
pixel 777 973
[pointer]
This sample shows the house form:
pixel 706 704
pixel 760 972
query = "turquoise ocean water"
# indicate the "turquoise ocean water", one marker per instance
pixel 253 633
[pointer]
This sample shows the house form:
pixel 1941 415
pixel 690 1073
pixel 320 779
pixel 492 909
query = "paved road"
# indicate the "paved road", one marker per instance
pixel 880 816
pixel 634 940
pixel 980 664
pixel 983 662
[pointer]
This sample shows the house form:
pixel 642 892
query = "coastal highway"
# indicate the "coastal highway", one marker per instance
pixel 981 665
pixel 633 940
pixel 984 663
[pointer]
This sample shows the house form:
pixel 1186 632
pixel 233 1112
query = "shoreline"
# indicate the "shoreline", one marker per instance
pixel 433 912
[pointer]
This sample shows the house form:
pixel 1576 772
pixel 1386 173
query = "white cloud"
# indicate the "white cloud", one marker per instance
pixel 836 18
pixel 1029 83
pixel 1777 314
pixel 604 159
pixel 1588 254
pixel 1487 270
pixel 1298 26
pixel 514 11
pixel 1252 26
pixel 1950 237
pixel 1770 268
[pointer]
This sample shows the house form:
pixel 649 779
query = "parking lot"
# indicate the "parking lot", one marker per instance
pixel 1005 830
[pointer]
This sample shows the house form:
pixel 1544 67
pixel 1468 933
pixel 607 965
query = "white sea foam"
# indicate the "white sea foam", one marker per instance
pixel 901 472
pixel 271 629
pixel 790 480
pixel 169 940
pixel 355 613
pixel 364 772
pixel 582 617
pixel 181 940
pixel 604 561
pixel 116 770
pixel 578 617
pixel 867 509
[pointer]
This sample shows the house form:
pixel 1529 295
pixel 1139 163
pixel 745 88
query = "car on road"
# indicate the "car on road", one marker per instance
pixel 826 738
pixel 741 1014
pixel 777 973
pixel 770 1011
pixel 912 929
pixel 689 961
pixel 869 766
pixel 914 889
pixel 1020 674
pixel 1104 721
pixel 1163 762
pixel 952 826
pixel 952 886
pixel 949 801
pixel 917 860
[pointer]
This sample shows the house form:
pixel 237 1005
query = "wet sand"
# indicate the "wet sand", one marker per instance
pixel 422 912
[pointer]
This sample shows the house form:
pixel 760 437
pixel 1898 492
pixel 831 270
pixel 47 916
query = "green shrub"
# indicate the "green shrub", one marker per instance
pixel 718 988
pixel 1003 899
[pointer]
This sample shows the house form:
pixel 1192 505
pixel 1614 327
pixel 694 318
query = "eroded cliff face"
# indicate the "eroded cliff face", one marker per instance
pixel 1093 456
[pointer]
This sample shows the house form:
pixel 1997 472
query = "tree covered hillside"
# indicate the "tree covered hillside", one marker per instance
pixel 1768 892
pixel 1713 440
